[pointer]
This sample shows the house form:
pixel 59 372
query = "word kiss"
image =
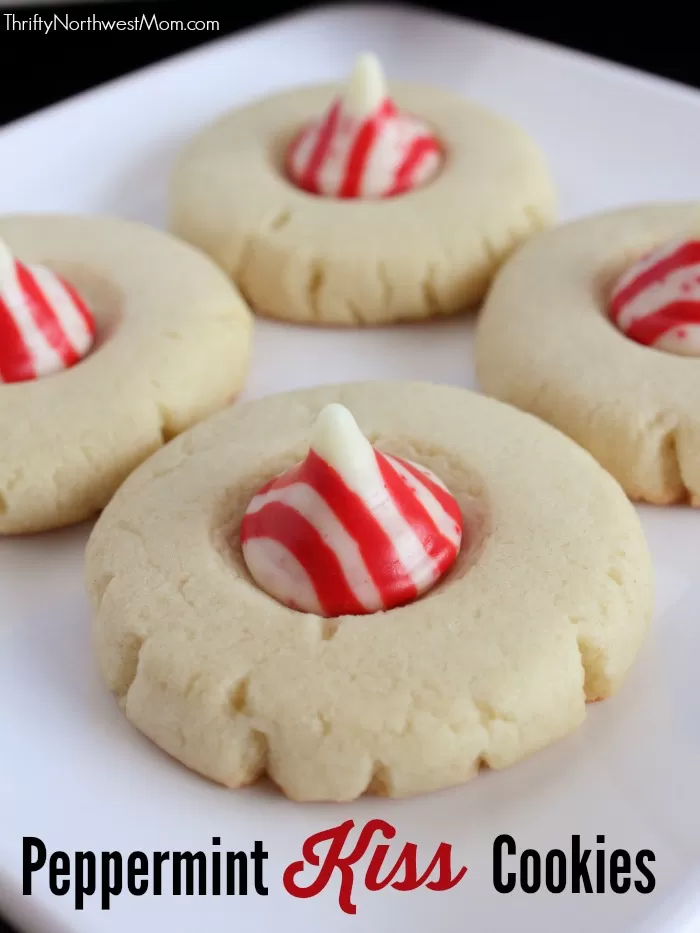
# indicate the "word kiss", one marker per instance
pixel 437 876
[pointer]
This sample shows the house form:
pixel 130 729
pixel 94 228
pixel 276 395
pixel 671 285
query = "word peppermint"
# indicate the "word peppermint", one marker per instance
pixel 108 874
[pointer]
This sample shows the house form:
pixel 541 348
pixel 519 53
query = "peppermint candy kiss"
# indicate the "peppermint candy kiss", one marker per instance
pixel 656 302
pixel 45 326
pixel 363 147
pixel 350 530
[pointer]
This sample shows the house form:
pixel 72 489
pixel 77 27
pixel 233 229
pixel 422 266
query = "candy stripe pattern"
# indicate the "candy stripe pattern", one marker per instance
pixel 381 156
pixel 319 546
pixel 45 326
pixel 657 301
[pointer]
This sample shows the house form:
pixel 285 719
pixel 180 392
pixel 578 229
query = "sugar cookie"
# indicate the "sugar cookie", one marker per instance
pixel 113 338
pixel 544 608
pixel 361 207
pixel 590 327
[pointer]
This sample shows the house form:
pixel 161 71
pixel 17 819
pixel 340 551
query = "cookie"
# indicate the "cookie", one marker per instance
pixel 114 338
pixel 590 327
pixel 544 608
pixel 360 208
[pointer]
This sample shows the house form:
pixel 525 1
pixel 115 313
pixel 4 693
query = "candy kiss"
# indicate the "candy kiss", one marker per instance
pixel 366 90
pixel 350 530
pixel 363 147
pixel 45 326
pixel 656 302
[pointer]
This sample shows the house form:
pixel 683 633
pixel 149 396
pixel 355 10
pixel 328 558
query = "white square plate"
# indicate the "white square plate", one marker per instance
pixel 72 770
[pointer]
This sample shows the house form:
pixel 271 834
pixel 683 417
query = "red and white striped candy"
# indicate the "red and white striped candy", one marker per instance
pixel 363 147
pixel 45 326
pixel 350 530
pixel 656 302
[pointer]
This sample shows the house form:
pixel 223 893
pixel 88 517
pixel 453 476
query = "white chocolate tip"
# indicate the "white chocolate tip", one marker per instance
pixel 338 440
pixel 366 88
pixel 7 263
